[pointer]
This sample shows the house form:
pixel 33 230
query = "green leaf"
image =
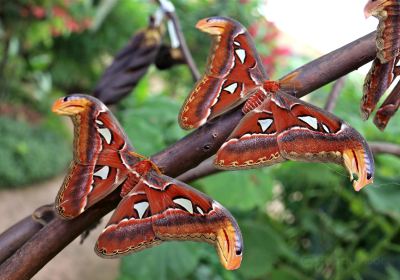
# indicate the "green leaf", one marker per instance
pixel 286 273
pixel 297 175
pixel 152 126
pixel 263 247
pixel 241 190
pixel 28 152
pixel 170 260
pixel 385 198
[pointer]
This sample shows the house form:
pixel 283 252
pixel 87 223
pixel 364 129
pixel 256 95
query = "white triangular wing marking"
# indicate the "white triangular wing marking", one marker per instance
pixel 141 207
pixel 311 121
pixel 105 132
pixel 236 43
pixel 185 203
pixel 326 128
pixel 200 210
pixel 99 122
pixel 102 173
pixel 231 88
pixel 241 53
pixel 265 124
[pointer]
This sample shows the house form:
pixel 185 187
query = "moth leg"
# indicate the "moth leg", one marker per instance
pixel 377 81
pixel 388 108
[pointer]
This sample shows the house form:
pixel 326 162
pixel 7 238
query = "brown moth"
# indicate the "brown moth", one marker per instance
pixel 276 126
pixel 154 207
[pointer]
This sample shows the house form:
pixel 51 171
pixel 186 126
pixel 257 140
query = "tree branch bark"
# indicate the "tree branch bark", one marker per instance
pixel 385 148
pixel 184 48
pixel 182 156
pixel 16 236
pixel 169 10
pixel 330 67
pixel 205 168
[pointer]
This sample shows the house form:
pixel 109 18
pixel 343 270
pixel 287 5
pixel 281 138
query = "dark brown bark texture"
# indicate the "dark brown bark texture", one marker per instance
pixel 185 154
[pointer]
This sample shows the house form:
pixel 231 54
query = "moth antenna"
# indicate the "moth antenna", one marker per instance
pixel 155 167
pixel 139 155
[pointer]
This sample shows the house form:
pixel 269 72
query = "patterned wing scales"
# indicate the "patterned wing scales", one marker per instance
pixel 170 210
pixel 234 70
pixel 284 127
pixel 100 154
pixel 252 143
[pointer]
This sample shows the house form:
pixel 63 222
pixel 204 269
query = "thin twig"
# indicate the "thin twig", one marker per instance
pixel 205 168
pixel 385 148
pixel 184 48
pixel 3 62
pixel 334 94
pixel 169 10
pixel 182 156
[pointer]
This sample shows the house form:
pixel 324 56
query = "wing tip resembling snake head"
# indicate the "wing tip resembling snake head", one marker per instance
pixel 373 7
pixel 75 104
pixel 229 241
pixel 216 25
pixel 359 163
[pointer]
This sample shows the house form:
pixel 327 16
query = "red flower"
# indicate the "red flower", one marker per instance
pixel 283 51
pixel 253 29
pixel 38 12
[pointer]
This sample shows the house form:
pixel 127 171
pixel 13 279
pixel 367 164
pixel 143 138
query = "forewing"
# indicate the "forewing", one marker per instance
pixel 101 154
pixel 234 70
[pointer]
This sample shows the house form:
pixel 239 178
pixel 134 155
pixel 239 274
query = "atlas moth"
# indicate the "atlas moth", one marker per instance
pixel 276 126
pixel 154 207
pixel 384 68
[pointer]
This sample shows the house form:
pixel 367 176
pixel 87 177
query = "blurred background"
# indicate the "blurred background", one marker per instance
pixel 299 220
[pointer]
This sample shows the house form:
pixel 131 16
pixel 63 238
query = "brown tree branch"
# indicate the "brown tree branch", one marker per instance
pixel 204 169
pixel 51 239
pixel 182 156
pixel 330 67
pixel 385 148
pixel 16 236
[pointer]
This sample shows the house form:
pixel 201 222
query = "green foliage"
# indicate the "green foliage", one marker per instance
pixel 385 198
pixel 30 153
pixel 151 125
pixel 264 247
pixel 46 51
pixel 47 46
pixel 171 260
pixel 299 220
pixel 248 189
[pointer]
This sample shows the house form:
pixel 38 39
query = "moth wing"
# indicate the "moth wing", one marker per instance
pixel 234 70
pixel 165 209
